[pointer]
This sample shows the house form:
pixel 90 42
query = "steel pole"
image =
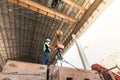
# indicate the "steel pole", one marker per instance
pixel 82 55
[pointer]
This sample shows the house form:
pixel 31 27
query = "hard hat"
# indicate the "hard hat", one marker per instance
pixel 47 40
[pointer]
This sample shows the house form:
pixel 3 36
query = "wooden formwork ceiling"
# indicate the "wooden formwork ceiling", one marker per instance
pixel 25 24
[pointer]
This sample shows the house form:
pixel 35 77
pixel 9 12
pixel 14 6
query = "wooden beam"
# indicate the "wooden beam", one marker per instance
pixel 44 10
pixel 74 4
pixel 79 25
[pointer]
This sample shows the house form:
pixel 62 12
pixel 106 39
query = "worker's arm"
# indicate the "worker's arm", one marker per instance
pixel 59 46
pixel 52 47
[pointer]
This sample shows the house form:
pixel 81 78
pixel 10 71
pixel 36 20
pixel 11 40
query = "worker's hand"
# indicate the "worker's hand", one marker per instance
pixel 53 47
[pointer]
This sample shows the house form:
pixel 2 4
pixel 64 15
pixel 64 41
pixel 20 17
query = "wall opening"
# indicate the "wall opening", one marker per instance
pixel 86 79
pixel 69 78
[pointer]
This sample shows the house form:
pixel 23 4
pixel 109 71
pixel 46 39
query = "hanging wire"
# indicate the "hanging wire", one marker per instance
pixel 39 38
pixel 48 28
pixel 11 34
pixel 43 29
pixel 53 55
pixel 7 32
pixel 3 37
pixel 34 37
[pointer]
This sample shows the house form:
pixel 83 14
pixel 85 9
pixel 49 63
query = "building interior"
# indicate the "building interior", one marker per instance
pixel 26 24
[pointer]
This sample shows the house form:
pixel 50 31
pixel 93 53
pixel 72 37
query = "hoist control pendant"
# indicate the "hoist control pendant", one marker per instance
pixel 59 46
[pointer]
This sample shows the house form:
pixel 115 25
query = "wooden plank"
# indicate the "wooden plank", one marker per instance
pixel 74 4
pixel 43 10
pixel 80 23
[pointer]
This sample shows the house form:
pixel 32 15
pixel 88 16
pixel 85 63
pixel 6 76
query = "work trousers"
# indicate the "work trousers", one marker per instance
pixel 46 58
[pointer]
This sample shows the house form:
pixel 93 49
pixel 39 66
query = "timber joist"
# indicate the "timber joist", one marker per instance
pixel 44 10
pixel 74 4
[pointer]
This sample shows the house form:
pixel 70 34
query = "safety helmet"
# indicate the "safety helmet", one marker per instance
pixel 47 40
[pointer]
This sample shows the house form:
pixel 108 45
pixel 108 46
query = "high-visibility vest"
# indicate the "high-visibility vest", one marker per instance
pixel 46 48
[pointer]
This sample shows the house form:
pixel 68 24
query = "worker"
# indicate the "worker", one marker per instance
pixel 46 57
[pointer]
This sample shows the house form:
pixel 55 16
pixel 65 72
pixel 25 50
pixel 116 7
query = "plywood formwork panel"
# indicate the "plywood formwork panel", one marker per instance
pixel 21 77
pixel 21 68
pixel 63 73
